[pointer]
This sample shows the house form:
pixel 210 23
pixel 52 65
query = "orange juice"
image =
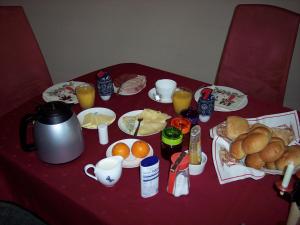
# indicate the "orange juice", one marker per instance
pixel 85 95
pixel 182 99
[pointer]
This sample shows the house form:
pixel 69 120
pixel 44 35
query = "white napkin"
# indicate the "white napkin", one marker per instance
pixel 229 170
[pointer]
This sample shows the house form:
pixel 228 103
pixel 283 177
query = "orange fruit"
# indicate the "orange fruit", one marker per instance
pixel 140 149
pixel 121 149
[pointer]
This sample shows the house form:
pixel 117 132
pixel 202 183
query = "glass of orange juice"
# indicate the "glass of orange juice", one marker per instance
pixel 182 98
pixel 86 95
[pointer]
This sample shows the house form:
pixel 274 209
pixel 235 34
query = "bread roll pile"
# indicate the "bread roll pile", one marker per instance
pixel 261 146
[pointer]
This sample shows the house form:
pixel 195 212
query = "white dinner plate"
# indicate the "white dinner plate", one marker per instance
pixel 125 130
pixel 122 125
pixel 222 95
pixel 98 110
pixel 152 94
pixel 64 92
pixel 131 161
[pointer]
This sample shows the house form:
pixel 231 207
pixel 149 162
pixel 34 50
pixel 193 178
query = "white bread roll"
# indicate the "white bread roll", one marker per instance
pixel 236 150
pixel 291 155
pixel 261 130
pixel 286 134
pixel 254 161
pixel 235 126
pixel 271 166
pixel 273 150
pixel 255 142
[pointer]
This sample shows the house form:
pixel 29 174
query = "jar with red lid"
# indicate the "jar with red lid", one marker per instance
pixel 184 125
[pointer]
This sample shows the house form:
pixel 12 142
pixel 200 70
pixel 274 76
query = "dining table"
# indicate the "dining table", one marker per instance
pixel 63 194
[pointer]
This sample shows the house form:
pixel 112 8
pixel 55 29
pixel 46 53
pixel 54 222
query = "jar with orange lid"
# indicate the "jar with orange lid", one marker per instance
pixel 184 125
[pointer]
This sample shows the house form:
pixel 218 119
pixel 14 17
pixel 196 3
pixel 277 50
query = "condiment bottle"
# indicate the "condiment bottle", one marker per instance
pixel 104 85
pixel 171 142
pixel 206 103
pixel 179 182
pixel 195 146
pixel 184 125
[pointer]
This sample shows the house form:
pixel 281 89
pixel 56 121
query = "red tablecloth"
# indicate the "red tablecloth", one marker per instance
pixel 63 194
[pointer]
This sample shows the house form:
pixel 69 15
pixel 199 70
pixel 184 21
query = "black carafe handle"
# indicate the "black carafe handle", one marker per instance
pixel 26 120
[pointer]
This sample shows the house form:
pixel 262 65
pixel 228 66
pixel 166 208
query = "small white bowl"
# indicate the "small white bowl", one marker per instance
pixel 198 169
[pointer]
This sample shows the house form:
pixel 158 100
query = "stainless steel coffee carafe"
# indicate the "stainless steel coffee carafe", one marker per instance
pixel 57 133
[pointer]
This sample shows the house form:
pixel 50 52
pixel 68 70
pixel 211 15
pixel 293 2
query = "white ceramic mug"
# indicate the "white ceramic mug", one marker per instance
pixel 107 171
pixel 165 88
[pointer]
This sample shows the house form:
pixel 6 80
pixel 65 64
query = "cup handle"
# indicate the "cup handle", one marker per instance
pixel 89 174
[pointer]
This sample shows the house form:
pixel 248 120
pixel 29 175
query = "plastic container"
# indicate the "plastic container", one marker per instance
pixel 104 85
pixel 206 103
pixel 149 176
pixel 171 142
pixel 184 125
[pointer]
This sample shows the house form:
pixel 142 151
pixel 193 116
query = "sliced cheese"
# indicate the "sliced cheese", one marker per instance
pixel 153 122
pixel 92 120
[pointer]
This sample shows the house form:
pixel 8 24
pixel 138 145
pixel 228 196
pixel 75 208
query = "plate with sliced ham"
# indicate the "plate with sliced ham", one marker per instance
pixel 129 84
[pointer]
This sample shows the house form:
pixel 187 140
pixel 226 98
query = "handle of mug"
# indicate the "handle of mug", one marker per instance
pixel 86 168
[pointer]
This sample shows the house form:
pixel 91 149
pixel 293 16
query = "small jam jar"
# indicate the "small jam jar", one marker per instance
pixel 191 114
pixel 171 142
pixel 184 125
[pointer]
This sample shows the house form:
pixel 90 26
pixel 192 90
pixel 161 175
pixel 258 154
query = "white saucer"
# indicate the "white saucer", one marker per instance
pixel 152 94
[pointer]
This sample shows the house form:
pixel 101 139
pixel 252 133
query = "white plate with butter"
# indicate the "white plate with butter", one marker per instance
pixel 91 118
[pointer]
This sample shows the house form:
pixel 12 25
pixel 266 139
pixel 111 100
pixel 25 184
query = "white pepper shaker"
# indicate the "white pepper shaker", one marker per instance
pixel 103 133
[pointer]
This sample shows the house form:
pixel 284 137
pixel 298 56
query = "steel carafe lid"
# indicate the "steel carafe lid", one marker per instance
pixel 53 113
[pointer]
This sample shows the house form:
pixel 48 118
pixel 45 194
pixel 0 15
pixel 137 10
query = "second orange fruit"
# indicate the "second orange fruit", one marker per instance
pixel 140 149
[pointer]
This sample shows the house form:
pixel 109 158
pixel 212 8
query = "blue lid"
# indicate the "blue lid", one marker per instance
pixel 149 161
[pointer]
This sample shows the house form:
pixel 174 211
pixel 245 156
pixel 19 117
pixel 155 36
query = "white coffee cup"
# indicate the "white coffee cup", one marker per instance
pixel 165 88
pixel 107 171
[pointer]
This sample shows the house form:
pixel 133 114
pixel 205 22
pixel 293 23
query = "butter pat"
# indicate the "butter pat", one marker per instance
pixel 92 120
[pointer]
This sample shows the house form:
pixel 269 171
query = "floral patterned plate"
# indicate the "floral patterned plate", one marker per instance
pixel 227 99
pixel 64 92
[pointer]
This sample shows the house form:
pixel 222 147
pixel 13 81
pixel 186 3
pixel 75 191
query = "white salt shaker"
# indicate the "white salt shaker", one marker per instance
pixel 103 133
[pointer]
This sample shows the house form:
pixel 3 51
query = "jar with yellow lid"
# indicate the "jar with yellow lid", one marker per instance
pixel 171 142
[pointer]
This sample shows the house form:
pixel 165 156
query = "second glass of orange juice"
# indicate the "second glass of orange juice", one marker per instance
pixel 182 98
pixel 85 95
